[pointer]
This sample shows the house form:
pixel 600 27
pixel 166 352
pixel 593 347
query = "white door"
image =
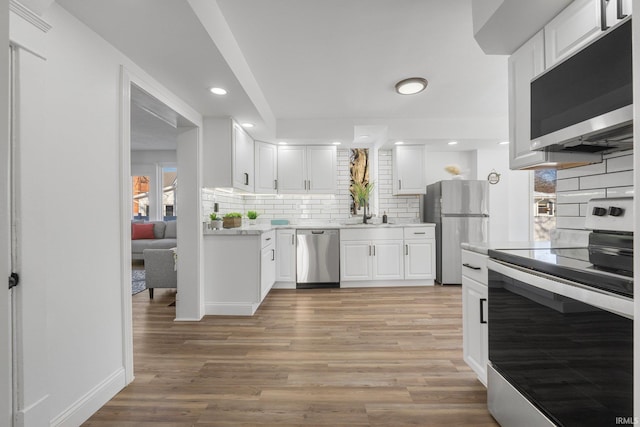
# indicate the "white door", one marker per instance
pixel 321 169
pixel 286 256
pixel 6 410
pixel 355 260
pixel 292 170
pixel 387 260
pixel 419 259
pixel 266 159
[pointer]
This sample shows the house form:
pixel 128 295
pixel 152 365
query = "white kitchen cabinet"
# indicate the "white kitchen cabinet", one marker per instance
pixel 267 269
pixel 577 25
pixel 408 170
pixel 367 254
pixel 307 169
pixel 475 340
pixel 266 168
pixel 228 155
pixel 419 253
pixel 286 256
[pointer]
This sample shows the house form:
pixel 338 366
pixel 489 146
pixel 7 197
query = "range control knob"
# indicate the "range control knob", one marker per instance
pixel 598 211
pixel 616 211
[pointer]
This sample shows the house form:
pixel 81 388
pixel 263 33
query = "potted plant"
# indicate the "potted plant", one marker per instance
pixel 232 220
pixel 252 215
pixel 361 193
pixel 216 221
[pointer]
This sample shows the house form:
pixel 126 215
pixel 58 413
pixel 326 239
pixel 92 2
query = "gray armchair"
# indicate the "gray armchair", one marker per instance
pixel 159 265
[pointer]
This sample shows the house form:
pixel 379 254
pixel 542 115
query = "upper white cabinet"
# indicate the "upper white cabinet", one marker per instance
pixel 228 155
pixel 242 159
pixel 266 168
pixel 578 24
pixel 409 170
pixel 307 169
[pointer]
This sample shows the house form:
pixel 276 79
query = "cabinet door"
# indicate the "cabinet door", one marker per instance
pixel 267 270
pixel 524 64
pixel 243 155
pixel 355 260
pixel 409 170
pixel 321 169
pixel 286 256
pixel 266 171
pixel 387 260
pixel 571 29
pixel 292 170
pixel 419 259
pixel 475 341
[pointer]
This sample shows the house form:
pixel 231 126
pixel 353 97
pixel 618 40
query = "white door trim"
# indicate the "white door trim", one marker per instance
pixel 127 78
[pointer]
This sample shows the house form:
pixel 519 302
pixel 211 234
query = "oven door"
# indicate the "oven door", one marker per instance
pixel 565 348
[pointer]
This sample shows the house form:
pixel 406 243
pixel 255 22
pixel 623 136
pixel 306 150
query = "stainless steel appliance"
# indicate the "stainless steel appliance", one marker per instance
pixel 318 258
pixel 584 104
pixel 561 327
pixel 460 210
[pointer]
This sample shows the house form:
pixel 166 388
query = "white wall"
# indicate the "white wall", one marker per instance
pixel 438 160
pixel 84 298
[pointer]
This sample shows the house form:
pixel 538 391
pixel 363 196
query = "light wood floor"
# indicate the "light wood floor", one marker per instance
pixel 342 357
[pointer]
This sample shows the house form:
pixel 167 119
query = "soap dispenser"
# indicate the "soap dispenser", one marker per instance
pixel 384 217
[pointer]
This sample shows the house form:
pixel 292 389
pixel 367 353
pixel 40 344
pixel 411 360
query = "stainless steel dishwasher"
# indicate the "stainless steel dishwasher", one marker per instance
pixel 318 259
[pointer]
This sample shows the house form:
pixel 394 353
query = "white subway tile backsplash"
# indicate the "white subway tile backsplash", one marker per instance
pixel 620 192
pixel 572 209
pixel 616 179
pixel 568 184
pixel 579 196
pixel 622 163
pixel 594 169
pixel 575 223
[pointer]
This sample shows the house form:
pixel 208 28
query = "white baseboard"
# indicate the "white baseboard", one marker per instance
pixel 284 285
pixel 88 404
pixel 230 308
pixel 385 283
pixel 35 415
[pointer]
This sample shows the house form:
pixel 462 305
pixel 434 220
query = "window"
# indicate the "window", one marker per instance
pixel 544 203
pixel 140 197
pixel 169 183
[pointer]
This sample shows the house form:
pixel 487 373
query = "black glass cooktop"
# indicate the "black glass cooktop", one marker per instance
pixel 571 264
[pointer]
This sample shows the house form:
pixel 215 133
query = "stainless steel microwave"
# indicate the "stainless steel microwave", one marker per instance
pixel 584 104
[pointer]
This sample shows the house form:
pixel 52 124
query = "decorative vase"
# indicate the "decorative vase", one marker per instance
pixel 216 224
pixel 252 222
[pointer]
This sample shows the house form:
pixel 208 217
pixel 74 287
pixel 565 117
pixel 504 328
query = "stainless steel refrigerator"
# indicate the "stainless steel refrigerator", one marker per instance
pixel 460 210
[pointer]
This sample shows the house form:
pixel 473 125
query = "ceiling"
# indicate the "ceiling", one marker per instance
pixel 309 71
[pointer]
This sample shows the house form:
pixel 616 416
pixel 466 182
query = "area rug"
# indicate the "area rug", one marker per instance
pixel 137 281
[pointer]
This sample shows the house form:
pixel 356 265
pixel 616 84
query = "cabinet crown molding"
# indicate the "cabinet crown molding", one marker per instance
pixel 28 15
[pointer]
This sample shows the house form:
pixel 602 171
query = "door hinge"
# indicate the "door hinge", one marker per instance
pixel 14 279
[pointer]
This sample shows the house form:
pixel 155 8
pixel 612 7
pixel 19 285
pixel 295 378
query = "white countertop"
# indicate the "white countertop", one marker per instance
pixel 260 228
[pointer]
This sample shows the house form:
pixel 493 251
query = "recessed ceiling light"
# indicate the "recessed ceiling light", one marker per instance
pixel 336 142
pixel 218 91
pixel 364 136
pixel 411 85
pixel 453 142
pixel 399 142
pixel 247 125
pixel 282 143
pixel 503 142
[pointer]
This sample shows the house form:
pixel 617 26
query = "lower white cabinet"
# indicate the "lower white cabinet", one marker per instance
pixel 419 253
pixel 475 338
pixel 367 254
pixel 286 256
pixel 267 269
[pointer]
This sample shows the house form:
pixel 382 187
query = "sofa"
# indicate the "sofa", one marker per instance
pixel 160 269
pixel 152 235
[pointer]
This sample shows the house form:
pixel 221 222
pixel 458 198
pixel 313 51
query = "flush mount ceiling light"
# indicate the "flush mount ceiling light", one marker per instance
pixel 247 125
pixel 218 91
pixel 411 85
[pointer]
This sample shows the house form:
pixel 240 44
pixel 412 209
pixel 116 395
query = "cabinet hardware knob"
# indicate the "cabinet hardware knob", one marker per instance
pixel 482 319
pixel 603 15
pixel 621 14
pixel 473 267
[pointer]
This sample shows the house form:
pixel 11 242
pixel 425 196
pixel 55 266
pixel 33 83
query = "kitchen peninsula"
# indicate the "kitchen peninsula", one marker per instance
pixel 243 264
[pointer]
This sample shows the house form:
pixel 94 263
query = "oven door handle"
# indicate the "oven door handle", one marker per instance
pixel 604 300
pixel 482 319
